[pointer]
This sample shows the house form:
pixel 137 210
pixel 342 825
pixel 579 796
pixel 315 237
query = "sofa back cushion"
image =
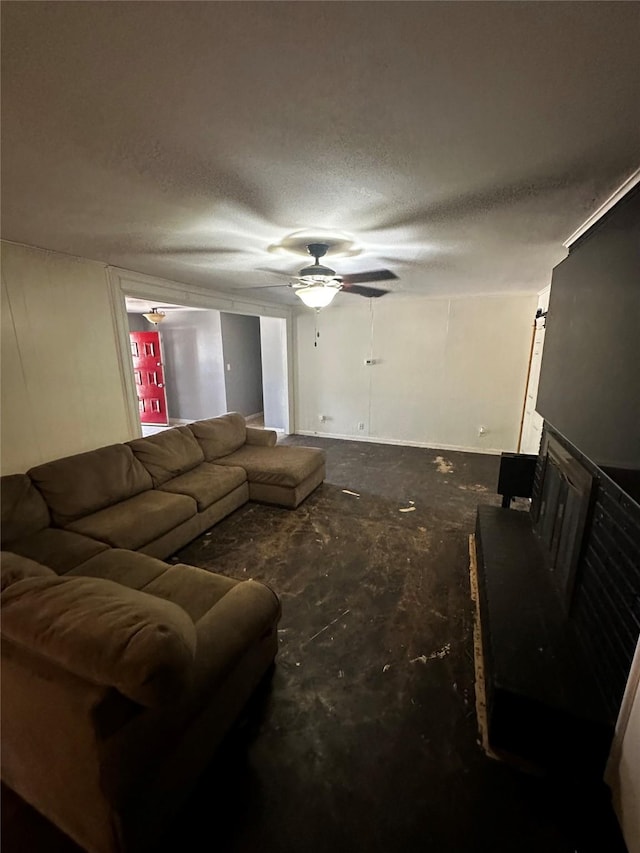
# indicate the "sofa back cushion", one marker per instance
pixel 220 436
pixel 23 510
pixel 79 485
pixel 15 568
pixel 104 632
pixel 168 453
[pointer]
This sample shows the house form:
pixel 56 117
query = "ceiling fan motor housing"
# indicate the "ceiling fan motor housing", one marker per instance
pixel 317 250
pixel 317 273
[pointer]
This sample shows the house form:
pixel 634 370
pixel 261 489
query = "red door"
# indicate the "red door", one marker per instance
pixel 149 377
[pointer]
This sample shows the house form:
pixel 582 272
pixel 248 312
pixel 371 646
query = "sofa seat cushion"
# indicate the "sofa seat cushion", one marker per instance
pixel 207 483
pixel 61 550
pixel 220 436
pixel 79 485
pixel 22 507
pixel 276 466
pixel 15 568
pixel 129 568
pixel 168 453
pixel 103 632
pixel 194 590
pixel 137 521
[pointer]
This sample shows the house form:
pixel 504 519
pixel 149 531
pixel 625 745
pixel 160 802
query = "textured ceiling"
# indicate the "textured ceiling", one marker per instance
pixel 456 143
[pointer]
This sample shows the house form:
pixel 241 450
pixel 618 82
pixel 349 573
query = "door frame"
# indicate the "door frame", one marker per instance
pixel 123 283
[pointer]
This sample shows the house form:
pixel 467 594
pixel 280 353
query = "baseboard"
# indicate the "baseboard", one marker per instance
pixel 492 451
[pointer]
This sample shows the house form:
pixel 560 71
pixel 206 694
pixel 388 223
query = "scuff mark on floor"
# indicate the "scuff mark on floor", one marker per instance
pixel 328 625
pixel 439 654
pixel 477 487
pixel 348 492
pixel 443 465
pixel 438 614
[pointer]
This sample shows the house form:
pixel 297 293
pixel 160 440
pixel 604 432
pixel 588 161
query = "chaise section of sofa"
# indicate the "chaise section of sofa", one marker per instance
pixel 283 476
pixel 142 668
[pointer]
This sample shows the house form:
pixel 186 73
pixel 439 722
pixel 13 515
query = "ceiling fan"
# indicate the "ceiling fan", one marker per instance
pixel 317 284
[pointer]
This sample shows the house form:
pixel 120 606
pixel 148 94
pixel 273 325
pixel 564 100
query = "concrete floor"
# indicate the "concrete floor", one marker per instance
pixel 366 739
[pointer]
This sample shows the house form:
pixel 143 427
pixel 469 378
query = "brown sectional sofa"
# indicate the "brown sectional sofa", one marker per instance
pixel 121 673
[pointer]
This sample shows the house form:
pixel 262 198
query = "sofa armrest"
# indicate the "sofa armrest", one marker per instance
pixel 105 633
pixel 51 745
pixel 261 437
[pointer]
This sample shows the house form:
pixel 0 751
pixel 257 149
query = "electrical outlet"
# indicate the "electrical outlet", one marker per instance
pixel 361 425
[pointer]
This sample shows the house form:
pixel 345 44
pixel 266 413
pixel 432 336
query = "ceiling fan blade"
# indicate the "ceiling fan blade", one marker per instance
pixel 359 290
pixel 263 286
pixel 365 277
pixel 274 271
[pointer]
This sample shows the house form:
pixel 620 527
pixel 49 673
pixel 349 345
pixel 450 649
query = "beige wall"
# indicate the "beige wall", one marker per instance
pixel 61 382
pixel 443 369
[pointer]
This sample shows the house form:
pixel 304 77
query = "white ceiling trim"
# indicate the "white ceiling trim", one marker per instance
pixel 149 287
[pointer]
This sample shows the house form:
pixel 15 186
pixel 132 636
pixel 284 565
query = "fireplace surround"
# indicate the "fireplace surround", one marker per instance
pixel 604 607
pixel 559 595
pixel 559 512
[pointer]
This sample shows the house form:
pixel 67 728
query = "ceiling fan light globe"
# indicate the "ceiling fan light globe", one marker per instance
pixel 316 296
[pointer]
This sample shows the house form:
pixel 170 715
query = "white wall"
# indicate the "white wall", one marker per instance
pixel 443 368
pixel 193 365
pixel 61 382
pixel 446 366
pixel 273 343
pixel 533 423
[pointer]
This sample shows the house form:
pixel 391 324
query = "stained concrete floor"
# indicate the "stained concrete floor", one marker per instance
pixel 366 737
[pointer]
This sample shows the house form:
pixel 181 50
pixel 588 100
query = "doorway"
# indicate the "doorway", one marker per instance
pixel 213 362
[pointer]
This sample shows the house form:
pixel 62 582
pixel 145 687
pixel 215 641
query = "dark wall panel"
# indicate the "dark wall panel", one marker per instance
pixel 243 363
pixel 590 377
